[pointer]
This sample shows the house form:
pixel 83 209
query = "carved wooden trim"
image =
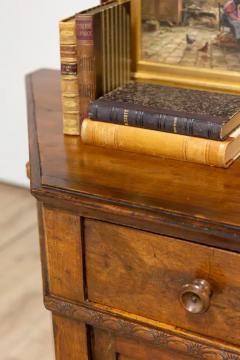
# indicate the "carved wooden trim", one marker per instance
pixel 197 348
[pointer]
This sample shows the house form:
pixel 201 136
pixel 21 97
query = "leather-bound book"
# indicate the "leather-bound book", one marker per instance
pixel 103 48
pixel 158 143
pixel 176 110
pixel 69 76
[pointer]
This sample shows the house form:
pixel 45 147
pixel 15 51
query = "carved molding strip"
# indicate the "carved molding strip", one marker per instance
pixel 199 349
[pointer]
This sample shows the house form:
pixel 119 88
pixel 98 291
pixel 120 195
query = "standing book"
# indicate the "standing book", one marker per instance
pixel 69 76
pixel 103 50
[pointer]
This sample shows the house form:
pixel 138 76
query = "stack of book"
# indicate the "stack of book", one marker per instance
pixel 101 104
pixel 176 123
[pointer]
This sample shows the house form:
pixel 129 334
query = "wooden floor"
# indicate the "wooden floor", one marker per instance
pixel 25 326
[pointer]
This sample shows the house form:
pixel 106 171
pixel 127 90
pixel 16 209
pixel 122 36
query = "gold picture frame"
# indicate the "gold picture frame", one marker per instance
pixel 200 78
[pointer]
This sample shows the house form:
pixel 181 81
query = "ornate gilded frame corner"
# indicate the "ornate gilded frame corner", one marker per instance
pixel 190 77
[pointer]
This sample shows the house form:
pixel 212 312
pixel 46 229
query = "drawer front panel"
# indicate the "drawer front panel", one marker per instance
pixel 143 273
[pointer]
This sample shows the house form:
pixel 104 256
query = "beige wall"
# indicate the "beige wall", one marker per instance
pixel 29 41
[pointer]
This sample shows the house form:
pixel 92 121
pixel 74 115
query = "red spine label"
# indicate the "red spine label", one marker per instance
pixel 84 27
pixel 69 69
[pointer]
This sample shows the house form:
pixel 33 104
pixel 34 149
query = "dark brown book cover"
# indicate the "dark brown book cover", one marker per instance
pixel 183 111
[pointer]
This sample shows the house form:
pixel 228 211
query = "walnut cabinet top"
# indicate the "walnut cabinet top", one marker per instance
pixel 193 202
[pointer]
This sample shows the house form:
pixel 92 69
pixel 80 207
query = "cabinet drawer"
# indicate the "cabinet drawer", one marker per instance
pixel 144 274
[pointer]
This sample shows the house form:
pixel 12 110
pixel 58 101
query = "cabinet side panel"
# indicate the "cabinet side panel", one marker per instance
pixel 64 254
pixel 71 341
pixel 42 247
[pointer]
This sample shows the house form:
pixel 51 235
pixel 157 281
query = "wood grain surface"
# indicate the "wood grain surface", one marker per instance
pixel 64 254
pixel 70 337
pixel 143 273
pixel 133 350
pixel 106 346
pixel 145 331
pixel 180 199
pixel 122 279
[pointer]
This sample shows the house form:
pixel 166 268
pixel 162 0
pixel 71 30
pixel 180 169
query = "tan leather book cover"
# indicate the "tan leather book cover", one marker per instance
pixel 71 122
pixel 157 143
pixel 69 85
pixel 69 76
pixel 67 30
pixel 70 103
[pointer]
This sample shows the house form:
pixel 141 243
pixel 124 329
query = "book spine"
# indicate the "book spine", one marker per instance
pixel 86 62
pixel 155 143
pixel 154 120
pixel 69 77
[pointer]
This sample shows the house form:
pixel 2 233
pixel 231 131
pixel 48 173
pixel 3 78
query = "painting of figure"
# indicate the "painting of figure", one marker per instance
pixel 192 33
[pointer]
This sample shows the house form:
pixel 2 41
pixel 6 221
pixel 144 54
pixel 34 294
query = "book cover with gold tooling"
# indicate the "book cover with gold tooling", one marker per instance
pixel 69 76
pixel 182 111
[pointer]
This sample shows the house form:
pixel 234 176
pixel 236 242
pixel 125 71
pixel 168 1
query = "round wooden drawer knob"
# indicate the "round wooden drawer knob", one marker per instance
pixel 195 297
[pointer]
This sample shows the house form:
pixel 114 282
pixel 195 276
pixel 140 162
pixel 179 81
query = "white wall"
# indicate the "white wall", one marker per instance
pixel 28 41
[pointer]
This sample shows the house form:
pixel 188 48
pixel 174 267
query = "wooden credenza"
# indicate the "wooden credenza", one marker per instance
pixel 140 255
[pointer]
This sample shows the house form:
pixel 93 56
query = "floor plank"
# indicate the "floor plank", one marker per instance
pixel 25 326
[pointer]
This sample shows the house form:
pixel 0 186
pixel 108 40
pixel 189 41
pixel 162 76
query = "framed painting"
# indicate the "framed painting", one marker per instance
pixel 192 43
